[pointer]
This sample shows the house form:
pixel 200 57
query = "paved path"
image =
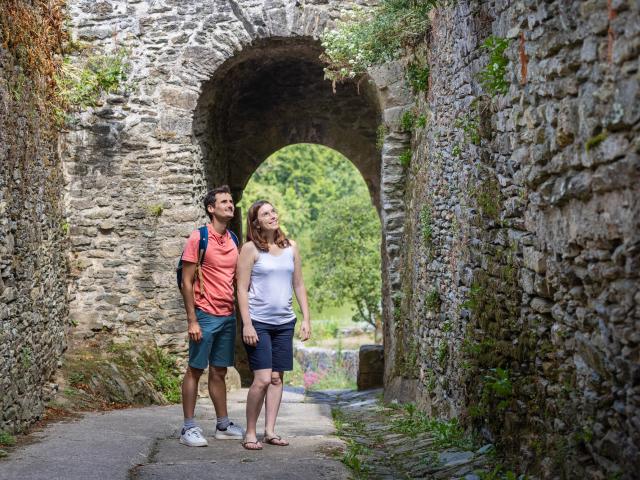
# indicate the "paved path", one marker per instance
pixel 143 444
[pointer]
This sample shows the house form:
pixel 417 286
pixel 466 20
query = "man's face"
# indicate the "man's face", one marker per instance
pixel 223 208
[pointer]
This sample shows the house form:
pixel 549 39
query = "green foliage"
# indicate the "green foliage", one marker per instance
pixel 447 433
pixel 470 126
pixel 364 39
pixel 405 158
pixel 456 151
pixel 488 196
pixel 66 227
pixel 426 225
pixel 418 76
pixel 432 300
pixel 596 140
pixel 492 77
pixel 408 121
pixel 76 378
pixel 499 382
pixel 81 86
pixel 166 377
pixel 421 121
pixel 25 357
pixel 499 473
pixel 353 457
pixel 346 258
pixel 6 439
pixel 443 353
pixel 155 210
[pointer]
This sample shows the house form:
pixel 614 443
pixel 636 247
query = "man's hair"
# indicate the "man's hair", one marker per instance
pixel 210 198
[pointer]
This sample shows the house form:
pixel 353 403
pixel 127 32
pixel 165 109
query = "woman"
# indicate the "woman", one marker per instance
pixel 268 270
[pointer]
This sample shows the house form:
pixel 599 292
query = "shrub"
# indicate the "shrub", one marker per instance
pixel 364 39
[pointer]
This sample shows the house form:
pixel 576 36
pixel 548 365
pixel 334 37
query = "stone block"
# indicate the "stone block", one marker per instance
pixel 371 367
pixel 534 260
pixel 231 379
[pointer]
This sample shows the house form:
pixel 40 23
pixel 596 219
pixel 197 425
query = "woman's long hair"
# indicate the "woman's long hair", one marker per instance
pixel 253 229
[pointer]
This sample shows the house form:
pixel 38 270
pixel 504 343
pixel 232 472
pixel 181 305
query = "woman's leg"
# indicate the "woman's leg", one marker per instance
pixel 255 399
pixel 272 402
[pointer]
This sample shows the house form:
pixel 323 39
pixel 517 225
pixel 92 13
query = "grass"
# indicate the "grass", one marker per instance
pixel 6 439
pixel 446 433
pixel 166 377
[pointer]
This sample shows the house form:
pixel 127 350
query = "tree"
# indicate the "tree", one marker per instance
pixel 346 257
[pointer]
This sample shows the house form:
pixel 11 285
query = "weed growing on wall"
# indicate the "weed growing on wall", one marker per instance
pixel 405 158
pixel 364 39
pixel 82 84
pixel 492 77
pixel 418 76
pixel 407 121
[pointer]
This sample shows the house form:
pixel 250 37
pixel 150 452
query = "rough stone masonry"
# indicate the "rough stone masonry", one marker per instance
pixel 510 261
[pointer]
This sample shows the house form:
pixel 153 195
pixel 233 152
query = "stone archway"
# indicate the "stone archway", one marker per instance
pixel 273 94
pixel 215 88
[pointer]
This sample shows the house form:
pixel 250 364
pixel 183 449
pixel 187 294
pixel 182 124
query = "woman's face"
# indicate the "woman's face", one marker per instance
pixel 268 218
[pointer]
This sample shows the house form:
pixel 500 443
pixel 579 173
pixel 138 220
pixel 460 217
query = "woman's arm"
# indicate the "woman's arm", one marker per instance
pixel 301 294
pixel 246 260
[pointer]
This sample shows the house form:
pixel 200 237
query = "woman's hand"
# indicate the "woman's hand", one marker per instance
pixel 305 330
pixel 249 335
pixel 195 333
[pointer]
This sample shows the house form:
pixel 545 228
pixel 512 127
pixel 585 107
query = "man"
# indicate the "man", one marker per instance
pixel 208 299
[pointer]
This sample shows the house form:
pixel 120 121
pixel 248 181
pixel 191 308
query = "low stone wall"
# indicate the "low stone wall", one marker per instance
pixel 319 359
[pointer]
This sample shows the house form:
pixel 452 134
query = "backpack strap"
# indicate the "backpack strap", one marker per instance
pixel 234 237
pixel 202 248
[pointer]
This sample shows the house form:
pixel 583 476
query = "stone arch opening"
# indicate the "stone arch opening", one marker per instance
pixel 272 94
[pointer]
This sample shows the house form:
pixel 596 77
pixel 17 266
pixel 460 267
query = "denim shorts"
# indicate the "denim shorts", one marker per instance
pixel 274 349
pixel 217 345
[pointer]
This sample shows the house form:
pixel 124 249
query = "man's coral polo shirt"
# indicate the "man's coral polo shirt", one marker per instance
pixel 218 271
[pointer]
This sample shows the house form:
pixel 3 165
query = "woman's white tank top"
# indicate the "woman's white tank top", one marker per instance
pixel 271 288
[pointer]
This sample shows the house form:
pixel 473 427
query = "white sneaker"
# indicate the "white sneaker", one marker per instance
pixel 232 432
pixel 193 438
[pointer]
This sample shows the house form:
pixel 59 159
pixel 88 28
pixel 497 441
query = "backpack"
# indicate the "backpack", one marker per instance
pixel 202 248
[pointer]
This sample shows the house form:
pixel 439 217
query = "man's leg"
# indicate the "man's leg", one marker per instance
pixel 190 391
pixel 191 435
pixel 218 390
pixel 272 402
pixel 255 399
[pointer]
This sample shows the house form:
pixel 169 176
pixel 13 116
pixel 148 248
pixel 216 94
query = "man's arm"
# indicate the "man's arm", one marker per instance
pixel 188 275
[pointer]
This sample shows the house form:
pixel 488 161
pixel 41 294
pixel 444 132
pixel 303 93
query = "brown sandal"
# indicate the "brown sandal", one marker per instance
pixel 275 440
pixel 255 442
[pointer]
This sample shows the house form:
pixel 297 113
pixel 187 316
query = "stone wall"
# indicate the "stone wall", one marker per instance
pixel 33 303
pixel 519 308
pixel 214 88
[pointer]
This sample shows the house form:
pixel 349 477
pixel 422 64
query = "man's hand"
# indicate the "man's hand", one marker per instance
pixel 249 335
pixel 195 333
pixel 305 330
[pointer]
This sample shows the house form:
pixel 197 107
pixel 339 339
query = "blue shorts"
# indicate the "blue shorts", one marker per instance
pixel 274 349
pixel 217 345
